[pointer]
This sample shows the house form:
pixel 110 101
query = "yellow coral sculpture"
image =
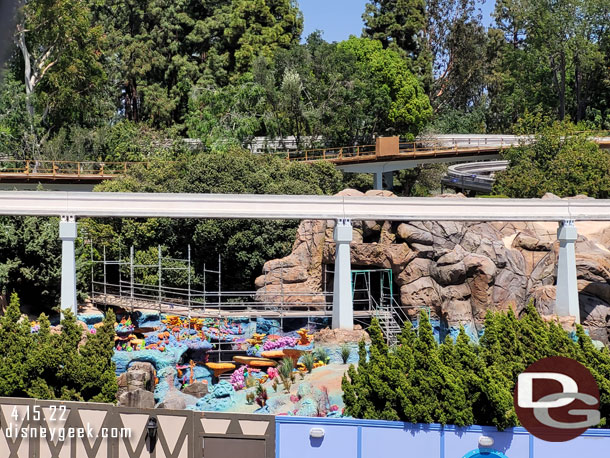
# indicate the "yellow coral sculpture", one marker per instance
pixel 257 339
pixel 305 339
pixel 172 320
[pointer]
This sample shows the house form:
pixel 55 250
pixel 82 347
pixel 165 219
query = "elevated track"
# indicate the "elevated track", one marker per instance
pixel 388 154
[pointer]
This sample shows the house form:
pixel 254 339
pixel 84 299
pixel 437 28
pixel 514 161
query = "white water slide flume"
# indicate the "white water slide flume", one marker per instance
pixel 248 206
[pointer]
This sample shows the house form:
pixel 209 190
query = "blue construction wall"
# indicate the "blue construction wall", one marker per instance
pixel 345 438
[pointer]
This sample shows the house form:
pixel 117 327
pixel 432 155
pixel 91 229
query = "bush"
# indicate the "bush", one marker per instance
pixel 559 161
pixel 346 351
pixel 458 382
pixel 320 354
pixel 308 361
pixel 43 365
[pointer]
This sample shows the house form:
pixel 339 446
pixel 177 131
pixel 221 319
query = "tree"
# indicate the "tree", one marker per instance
pixel 400 99
pixel 45 365
pixel 550 58
pixel 161 53
pixel 559 161
pixel 15 334
pixel 31 259
pixel 244 245
pixel 60 65
pixel 97 379
pixel 460 382
pixel 456 41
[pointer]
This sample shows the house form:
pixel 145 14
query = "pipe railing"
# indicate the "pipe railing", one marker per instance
pixel 30 167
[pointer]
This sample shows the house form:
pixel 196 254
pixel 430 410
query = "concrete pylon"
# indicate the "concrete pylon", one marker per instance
pixel 378 180
pixel 380 177
pixel 343 307
pixel 567 285
pixel 67 235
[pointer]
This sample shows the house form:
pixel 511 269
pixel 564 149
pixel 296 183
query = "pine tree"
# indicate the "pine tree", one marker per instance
pixel 598 362
pixel 98 383
pixel 15 339
pixel 396 23
pixel 44 362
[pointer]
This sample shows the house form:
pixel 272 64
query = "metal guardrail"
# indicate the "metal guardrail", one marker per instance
pixel 423 147
pixel 179 301
pixel 331 154
pixel 419 148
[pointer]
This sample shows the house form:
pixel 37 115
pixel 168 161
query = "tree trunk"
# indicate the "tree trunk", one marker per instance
pixel 29 85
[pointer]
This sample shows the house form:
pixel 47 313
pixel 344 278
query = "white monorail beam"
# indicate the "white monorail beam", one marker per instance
pixel 339 208
pixel 248 206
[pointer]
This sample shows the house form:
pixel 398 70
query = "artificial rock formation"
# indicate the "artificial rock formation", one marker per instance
pixel 457 270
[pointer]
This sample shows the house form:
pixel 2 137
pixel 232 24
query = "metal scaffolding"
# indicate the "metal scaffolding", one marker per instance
pixel 131 294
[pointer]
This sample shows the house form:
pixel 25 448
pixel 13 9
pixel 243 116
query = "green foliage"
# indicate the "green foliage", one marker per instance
pixel 560 161
pixel 398 93
pixel 459 382
pixel 420 181
pixel 160 52
pixel 321 354
pixel 308 361
pixel 346 351
pixel 47 365
pixel 30 253
pixel 244 245
pixel 400 25
pixel 548 59
pixel 343 94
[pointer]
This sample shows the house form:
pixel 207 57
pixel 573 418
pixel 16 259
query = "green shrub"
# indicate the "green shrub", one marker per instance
pixel 308 361
pixel 460 383
pixel 320 354
pixel 346 351
pixel 43 365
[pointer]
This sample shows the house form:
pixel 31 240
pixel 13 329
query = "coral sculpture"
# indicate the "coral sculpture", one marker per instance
pixel 305 339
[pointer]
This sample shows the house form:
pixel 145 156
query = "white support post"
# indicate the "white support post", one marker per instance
pixel 67 235
pixel 567 285
pixel 378 180
pixel 343 308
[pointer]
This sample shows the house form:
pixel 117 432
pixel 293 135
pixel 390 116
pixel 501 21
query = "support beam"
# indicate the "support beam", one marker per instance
pixel 67 235
pixel 343 307
pixel 567 285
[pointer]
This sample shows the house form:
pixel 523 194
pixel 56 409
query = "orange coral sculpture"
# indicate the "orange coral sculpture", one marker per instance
pixel 306 339
pixel 192 375
pixel 220 368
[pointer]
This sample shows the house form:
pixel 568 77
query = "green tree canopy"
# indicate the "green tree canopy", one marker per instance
pixel 244 245
pixel 560 161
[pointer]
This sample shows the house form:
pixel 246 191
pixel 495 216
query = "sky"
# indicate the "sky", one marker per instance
pixel 338 19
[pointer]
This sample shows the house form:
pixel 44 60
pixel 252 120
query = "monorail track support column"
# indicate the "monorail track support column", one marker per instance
pixel 343 307
pixel 67 235
pixel 567 285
